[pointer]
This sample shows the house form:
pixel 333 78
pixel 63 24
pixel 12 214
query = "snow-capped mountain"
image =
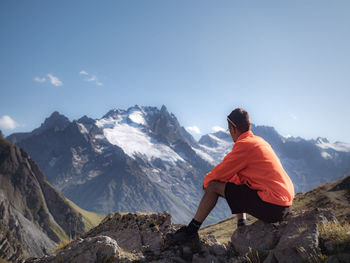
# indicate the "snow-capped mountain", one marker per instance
pixel 141 159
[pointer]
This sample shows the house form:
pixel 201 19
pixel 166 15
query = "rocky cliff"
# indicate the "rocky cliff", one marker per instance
pixel 33 215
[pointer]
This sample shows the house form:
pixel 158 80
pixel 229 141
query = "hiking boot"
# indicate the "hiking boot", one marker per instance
pixel 183 236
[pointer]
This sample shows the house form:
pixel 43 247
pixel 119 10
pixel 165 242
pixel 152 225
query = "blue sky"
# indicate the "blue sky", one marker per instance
pixel 286 62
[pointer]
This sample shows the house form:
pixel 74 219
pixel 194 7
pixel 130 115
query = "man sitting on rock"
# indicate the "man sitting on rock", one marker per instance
pixel 251 179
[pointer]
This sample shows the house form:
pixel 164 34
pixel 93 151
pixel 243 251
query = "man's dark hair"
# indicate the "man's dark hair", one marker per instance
pixel 241 119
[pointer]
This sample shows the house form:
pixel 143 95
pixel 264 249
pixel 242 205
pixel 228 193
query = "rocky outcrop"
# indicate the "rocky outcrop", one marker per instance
pixel 135 232
pixel 33 215
pixel 136 237
pixel 141 238
pixel 294 240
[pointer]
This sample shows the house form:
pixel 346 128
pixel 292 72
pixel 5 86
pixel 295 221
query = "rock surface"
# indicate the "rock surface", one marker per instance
pixel 141 238
pixel 293 240
pixel 135 232
pixel 33 215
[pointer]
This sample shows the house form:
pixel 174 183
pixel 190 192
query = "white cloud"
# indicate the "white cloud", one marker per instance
pixel 40 80
pixel 7 123
pixel 54 80
pixel 193 129
pixel 90 78
pixel 218 128
pixel 83 72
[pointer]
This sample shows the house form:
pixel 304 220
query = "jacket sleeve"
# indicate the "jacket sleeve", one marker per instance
pixel 233 162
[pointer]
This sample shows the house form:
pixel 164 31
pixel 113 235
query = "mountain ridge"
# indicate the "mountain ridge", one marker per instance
pixel 33 215
pixel 144 154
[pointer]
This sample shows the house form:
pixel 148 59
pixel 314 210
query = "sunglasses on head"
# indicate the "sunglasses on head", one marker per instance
pixel 231 122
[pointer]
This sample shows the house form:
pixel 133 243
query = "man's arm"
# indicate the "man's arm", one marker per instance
pixel 233 162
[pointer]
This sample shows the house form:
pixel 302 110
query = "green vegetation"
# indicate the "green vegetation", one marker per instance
pixel 90 219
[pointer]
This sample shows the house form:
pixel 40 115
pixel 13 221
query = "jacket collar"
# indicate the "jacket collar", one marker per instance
pixel 245 135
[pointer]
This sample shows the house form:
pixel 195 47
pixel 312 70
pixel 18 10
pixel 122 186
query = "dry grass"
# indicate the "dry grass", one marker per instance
pixel 90 219
pixel 311 257
pixel 224 229
pixel 324 196
pixel 3 261
pixel 64 243
pixel 254 256
pixel 335 237
pixel 58 231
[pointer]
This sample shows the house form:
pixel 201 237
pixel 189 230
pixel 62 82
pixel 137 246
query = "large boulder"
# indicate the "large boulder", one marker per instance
pixel 127 237
pixel 89 250
pixel 293 240
pixel 135 232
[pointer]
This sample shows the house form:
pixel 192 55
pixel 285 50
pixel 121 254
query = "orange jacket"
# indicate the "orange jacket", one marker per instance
pixel 254 163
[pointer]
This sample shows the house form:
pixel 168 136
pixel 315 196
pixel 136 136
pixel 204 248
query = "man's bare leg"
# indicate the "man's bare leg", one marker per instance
pixel 209 199
pixel 207 203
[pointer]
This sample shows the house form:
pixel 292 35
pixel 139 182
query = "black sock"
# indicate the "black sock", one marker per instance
pixel 241 222
pixel 194 226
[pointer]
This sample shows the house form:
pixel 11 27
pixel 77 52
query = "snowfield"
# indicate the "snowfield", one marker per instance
pixel 133 139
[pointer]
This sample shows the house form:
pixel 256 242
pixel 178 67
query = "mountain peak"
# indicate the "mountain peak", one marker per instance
pixel 163 108
pixel 135 107
pixel 56 121
pixel 321 140
pixel 86 119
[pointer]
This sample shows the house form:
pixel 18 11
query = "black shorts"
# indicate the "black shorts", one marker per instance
pixel 242 199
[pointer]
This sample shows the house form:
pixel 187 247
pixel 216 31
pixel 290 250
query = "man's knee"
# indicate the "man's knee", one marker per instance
pixel 216 187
